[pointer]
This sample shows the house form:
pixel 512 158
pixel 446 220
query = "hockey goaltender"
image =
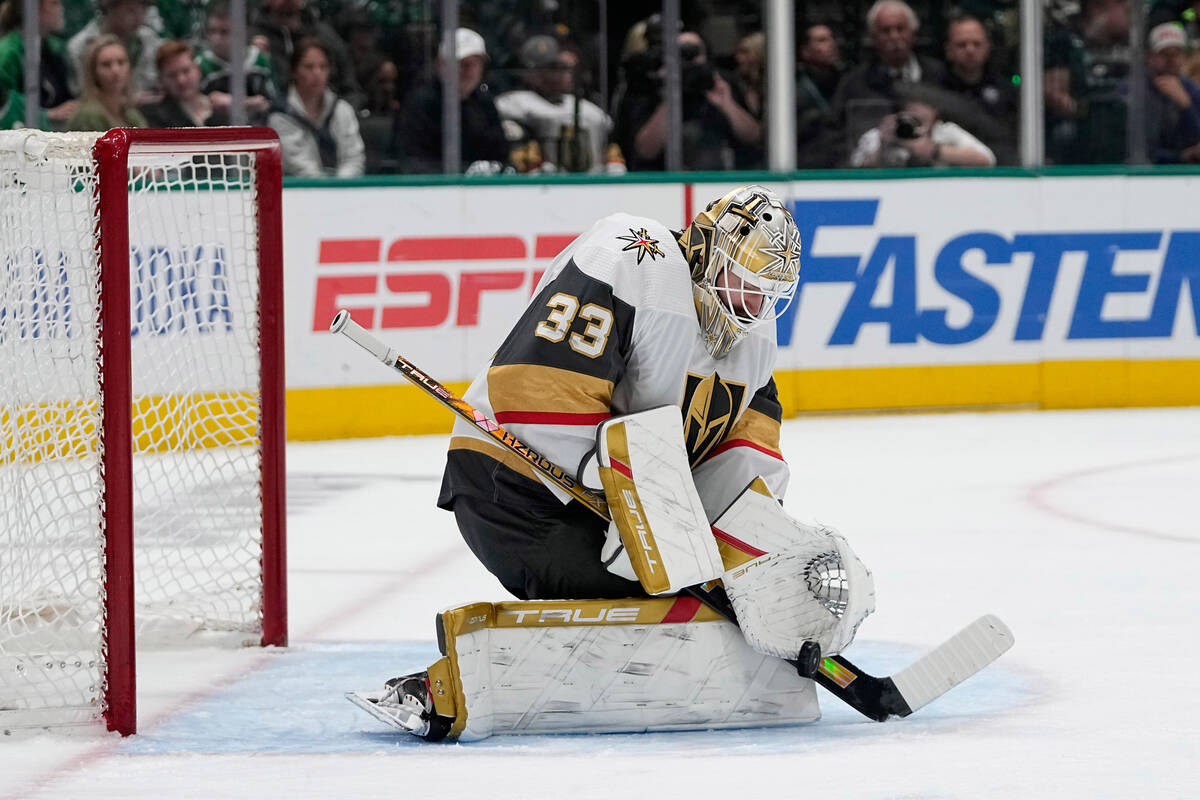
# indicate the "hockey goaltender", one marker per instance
pixel 642 365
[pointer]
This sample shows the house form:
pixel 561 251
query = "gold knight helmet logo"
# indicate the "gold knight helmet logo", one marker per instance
pixel 710 407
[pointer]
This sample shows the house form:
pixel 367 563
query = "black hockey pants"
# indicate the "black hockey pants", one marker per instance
pixel 541 554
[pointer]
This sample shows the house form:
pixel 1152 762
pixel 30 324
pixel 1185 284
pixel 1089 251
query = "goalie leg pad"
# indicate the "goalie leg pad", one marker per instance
pixel 790 582
pixel 655 507
pixel 608 666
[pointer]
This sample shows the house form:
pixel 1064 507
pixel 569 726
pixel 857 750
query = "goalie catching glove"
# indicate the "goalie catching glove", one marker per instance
pixel 788 582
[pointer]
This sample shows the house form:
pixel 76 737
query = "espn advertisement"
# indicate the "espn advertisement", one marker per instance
pixel 915 292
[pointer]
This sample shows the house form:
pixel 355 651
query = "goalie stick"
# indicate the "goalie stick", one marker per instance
pixel 931 676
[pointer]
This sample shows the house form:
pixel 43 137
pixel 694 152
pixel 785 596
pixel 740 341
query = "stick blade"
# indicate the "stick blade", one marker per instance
pixel 953 661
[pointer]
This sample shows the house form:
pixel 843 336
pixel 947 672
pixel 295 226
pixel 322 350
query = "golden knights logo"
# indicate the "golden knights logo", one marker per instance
pixel 640 241
pixel 710 407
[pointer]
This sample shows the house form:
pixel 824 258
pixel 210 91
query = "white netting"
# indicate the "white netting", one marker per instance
pixel 195 365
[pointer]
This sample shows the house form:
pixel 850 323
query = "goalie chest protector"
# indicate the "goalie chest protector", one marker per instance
pixel 612 329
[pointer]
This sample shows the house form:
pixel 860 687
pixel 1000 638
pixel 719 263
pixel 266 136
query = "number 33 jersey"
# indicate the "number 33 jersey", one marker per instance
pixel 611 330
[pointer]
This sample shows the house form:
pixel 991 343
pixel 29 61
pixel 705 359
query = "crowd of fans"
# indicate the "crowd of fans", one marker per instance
pixel 355 86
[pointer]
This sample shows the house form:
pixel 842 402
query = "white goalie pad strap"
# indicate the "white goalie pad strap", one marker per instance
pixel 789 582
pixel 648 483
pixel 611 666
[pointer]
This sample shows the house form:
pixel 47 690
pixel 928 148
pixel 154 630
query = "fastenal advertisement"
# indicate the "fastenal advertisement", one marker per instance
pixel 912 291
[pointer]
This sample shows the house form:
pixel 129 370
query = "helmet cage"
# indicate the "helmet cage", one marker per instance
pixel 744 252
pixel 746 297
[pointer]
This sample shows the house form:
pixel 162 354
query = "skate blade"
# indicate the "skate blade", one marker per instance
pixel 371 705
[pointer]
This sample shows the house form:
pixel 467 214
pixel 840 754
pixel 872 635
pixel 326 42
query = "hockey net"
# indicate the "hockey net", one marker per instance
pixel 141 430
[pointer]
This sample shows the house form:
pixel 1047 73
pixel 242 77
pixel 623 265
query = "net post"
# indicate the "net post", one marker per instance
pixel 111 155
pixel 269 181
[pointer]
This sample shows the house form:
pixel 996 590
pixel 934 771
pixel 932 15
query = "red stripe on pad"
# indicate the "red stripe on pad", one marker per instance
pixel 621 468
pixel 549 418
pixel 732 443
pixel 737 543
pixel 682 610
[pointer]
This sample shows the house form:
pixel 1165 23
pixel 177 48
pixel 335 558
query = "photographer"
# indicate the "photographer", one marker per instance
pixel 715 121
pixel 916 137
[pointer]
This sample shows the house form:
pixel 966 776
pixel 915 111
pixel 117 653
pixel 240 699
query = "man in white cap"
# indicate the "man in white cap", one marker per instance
pixel 1172 101
pixel 417 136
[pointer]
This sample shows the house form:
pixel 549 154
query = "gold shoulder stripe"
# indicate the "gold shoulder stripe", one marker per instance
pixel 527 387
pixel 758 428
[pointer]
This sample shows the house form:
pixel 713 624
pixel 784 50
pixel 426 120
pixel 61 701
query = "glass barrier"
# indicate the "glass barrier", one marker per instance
pixel 355 86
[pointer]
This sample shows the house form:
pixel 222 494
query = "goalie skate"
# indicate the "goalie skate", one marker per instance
pixel 404 704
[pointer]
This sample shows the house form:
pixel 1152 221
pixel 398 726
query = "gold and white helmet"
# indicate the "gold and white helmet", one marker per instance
pixel 744 252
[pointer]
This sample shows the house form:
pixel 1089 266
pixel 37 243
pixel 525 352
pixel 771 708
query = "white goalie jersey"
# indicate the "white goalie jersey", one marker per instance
pixel 612 329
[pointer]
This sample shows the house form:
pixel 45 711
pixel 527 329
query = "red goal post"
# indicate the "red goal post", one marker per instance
pixel 143 307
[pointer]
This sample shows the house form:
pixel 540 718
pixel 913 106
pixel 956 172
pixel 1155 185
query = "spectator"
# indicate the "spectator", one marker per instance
pixel 213 59
pixel 715 121
pixel 107 100
pixel 1184 13
pixel 381 84
pixel 417 137
pixel 283 23
pixel 750 76
pixel 318 131
pixel 1172 101
pixel 183 104
pixel 571 132
pixel 125 19
pixel 1086 62
pixel 989 104
pixel 817 77
pixel 378 117
pixel 749 84
pixel 916 136
pixel 870 90
pixel 56 76
pixel 821 67
pixel 362 43
pixel 176 19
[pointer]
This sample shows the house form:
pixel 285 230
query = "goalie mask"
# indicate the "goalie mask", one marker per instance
pixel 744 253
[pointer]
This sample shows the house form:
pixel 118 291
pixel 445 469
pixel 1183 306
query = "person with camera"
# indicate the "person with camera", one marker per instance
pixel 715 121
pixel 866 92
pixel 915 136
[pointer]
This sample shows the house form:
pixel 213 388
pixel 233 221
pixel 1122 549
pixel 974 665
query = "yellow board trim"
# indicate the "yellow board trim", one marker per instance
pixel 44 432
pixel 357 412
pixel 364 411
pixel 1047 385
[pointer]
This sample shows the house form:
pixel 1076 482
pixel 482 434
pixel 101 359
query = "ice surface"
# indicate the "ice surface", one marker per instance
pixel 1079 529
